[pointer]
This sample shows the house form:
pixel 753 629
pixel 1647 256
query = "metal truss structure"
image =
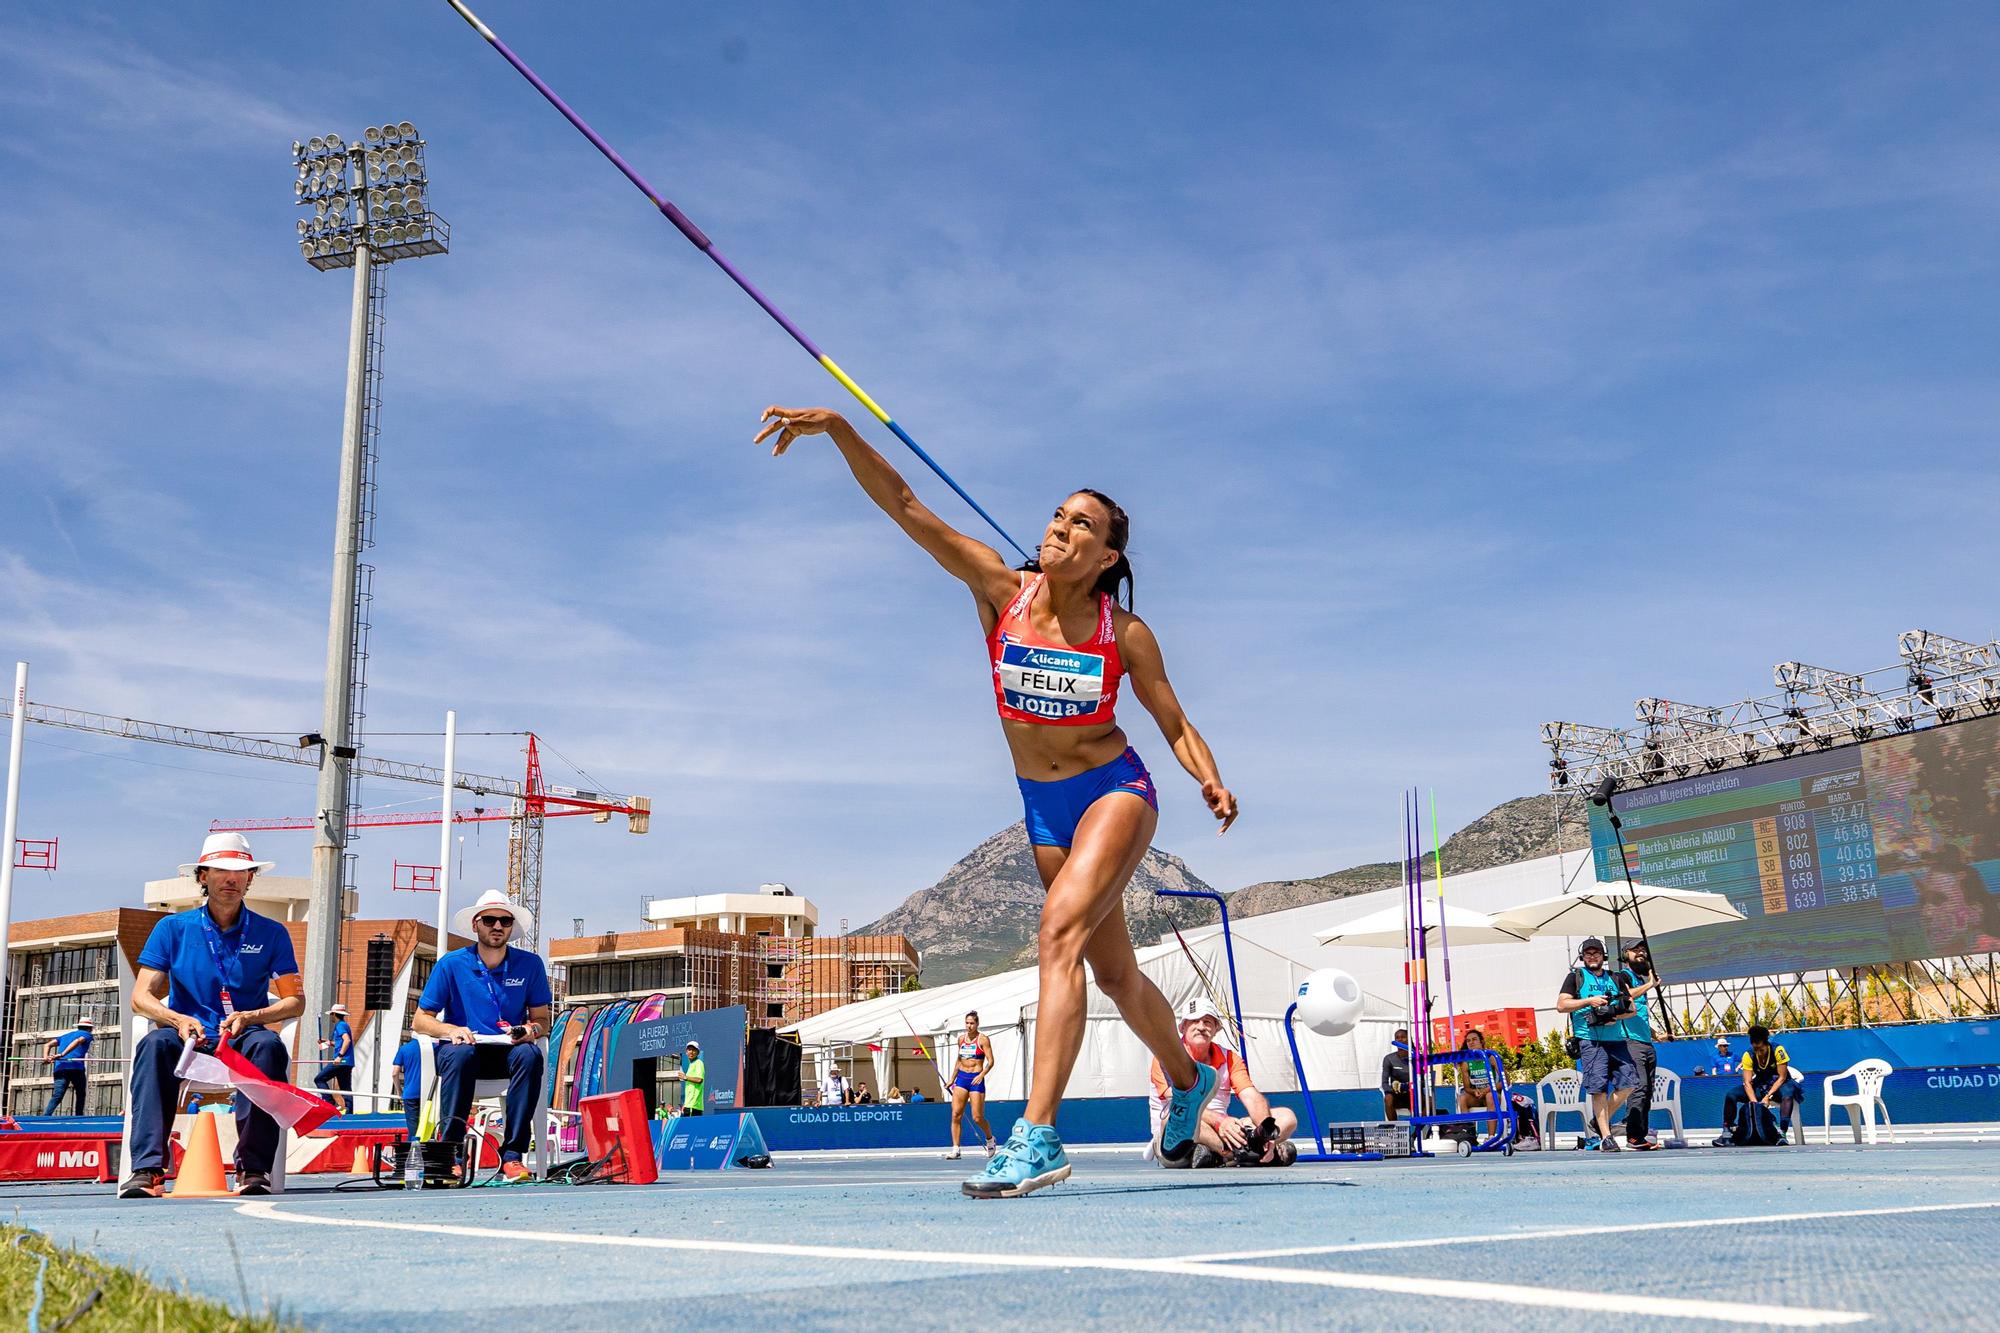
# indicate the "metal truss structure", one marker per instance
pixel 1938 680
pixel 1922 991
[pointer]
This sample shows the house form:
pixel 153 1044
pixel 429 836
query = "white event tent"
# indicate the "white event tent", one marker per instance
pixel 1274 952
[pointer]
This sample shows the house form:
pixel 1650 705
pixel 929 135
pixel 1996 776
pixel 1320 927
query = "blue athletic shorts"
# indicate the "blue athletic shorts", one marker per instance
pixel 971 1080
pixel 1054 808
pixel 1607 1066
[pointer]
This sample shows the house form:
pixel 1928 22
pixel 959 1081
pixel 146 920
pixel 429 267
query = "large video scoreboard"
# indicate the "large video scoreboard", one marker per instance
pixel 1882 851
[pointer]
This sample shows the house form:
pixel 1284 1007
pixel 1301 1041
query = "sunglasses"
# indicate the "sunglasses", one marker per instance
pixel 494 920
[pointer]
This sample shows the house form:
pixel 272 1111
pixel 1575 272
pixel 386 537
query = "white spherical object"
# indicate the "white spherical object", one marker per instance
pixel 1330 1002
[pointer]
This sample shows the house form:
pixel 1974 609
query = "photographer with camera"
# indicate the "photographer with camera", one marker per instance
pixel 1640 981
pixel 1599 1003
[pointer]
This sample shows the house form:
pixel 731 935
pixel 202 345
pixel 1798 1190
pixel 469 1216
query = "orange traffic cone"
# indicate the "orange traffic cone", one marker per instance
pixel 364 1162
pixel 201 1170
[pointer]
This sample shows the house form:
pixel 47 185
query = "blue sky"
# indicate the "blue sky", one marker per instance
pixel 1462 368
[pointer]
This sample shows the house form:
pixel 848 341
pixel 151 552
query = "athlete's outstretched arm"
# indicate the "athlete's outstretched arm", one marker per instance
pixel 1147 671
pixel 967 559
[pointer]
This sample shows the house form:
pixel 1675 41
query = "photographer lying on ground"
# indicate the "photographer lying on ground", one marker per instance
pixel 1598 1003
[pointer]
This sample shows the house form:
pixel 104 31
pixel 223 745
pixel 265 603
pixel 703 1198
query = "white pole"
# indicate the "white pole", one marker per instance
pixel 12 821
pixel 444 829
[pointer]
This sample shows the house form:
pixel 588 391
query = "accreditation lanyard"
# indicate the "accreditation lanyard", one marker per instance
pixel 213 936
pixel 492 987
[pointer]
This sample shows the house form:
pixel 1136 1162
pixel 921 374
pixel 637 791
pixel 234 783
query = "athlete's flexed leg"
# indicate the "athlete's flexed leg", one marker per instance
pixel 1083 920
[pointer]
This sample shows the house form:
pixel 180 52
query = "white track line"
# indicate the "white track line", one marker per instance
pixel 1662 1307
pixel 1567 1233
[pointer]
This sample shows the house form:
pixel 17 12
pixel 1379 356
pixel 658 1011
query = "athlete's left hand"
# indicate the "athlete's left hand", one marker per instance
pixel 1221 802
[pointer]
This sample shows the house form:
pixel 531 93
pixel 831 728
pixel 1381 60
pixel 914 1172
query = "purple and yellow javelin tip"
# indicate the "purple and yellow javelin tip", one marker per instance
pixel 701 242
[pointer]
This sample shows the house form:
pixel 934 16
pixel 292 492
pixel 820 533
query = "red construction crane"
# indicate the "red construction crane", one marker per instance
pixel 525 816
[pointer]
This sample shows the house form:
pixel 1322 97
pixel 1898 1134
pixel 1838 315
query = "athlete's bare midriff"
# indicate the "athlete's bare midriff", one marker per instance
pixel 1044 753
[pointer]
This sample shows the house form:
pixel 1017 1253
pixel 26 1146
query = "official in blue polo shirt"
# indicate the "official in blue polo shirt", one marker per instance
pixel 338 1072
pixel 219 970
pixel 488 1006
pixel 68 1052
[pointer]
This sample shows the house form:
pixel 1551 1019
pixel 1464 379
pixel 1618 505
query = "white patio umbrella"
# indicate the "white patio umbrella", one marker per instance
pixel 1607 910
pixel 1460 926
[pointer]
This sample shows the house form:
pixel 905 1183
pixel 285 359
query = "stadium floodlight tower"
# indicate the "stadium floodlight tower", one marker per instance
pixel 367 207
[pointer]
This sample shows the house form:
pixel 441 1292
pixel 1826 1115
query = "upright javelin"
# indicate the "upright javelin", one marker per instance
pixel 686 227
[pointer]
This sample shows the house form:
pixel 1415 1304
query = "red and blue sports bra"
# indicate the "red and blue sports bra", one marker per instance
pixel 1035 680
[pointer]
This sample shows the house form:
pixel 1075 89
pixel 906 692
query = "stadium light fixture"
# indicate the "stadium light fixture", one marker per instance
pixel 367 195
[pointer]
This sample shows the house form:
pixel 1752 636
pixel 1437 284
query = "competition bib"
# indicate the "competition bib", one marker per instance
pixel 1056 683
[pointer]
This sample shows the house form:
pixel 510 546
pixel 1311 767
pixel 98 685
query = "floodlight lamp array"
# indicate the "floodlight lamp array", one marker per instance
pixel 1939 680
pixel 371 192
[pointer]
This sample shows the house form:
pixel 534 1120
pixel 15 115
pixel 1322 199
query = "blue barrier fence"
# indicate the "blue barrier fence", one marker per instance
pixel 1945 1073
pixel 1907 1046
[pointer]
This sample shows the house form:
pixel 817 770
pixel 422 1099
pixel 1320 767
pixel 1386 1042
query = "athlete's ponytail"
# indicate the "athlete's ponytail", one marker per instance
pixel 1119 534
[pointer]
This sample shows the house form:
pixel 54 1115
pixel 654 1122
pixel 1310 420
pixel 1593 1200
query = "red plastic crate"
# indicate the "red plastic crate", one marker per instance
pixel 1500 1027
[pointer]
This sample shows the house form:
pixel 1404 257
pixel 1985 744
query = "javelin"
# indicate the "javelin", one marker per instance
pixel 701 242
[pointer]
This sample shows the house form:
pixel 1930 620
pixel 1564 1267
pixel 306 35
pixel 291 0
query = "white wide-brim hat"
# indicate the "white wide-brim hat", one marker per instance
pixel 340 1009
pixel 523 918
pixel 225 851
pixel 86 1022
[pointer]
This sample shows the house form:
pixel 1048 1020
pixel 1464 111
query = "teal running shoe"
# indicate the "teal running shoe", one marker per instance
pixel 1184 1115
pixel 1032 1158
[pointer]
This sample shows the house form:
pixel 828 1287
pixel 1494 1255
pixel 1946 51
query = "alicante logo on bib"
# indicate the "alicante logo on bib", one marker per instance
pixel 1051 682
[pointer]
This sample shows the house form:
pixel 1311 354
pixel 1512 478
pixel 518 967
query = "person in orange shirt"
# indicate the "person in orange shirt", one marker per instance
pixel 1260 1137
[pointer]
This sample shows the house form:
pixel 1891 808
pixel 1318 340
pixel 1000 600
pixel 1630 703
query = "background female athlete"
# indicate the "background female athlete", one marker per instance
pixel 968 1083
pixel 1059 645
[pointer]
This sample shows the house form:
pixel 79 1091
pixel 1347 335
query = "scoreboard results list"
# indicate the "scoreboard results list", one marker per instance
pixel 1790 836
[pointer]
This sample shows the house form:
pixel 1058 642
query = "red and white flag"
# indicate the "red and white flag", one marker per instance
pixel 294 1108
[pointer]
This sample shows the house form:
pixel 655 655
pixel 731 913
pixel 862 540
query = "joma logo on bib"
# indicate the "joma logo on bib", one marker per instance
pixel 1050 682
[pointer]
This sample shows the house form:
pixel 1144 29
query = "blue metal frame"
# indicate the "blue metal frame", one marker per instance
pixel 1501 1140
pixel 1228 951
pixel 1312 1113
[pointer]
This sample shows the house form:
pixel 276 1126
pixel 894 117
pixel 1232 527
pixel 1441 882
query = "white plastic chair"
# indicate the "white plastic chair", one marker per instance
pixel 1667 1097
pixel 1560 1090
pixel 489 1096
pixel 1862 1106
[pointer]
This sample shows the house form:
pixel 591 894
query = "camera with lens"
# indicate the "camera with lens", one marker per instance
pixel 1617 1011
pixel 1620 1009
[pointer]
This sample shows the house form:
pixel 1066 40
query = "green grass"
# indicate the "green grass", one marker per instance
pixel 87 1295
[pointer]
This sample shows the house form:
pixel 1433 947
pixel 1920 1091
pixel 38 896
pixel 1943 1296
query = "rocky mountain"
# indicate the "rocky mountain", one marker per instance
pixel 982 916
pixel 1519 830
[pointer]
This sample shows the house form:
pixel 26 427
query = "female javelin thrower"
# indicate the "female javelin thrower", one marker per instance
pixel 1059 644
